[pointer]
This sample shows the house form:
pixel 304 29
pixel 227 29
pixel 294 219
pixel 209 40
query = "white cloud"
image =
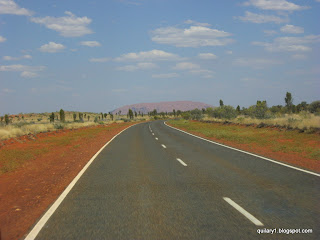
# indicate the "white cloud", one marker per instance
pixel 186 66
pixel 27 74
pixel 290 44
pixel 7 90
pixel 291 29
pixel 138 66
pixel 193 69
pixel 166 75
pixel 26 71
pixel 10 7
pixel 9 58
pixel 261 18
pixel 153 55
pixel 277 5
pixel 52 47
pixel 207 56
pixel 68 26
pixel 229 52
pixel 257 63
pixel 90 43
pixel 100 60
pixel 269 32
pixel 195 36
pixel 2 39
pixel 299 57
pixel 192 22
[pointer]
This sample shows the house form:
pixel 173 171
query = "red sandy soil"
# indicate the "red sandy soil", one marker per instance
pixel 294 159
pixel 27 192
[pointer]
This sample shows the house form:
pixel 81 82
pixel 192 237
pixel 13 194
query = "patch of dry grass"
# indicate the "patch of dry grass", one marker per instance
pixel 301 121
pixel 11 131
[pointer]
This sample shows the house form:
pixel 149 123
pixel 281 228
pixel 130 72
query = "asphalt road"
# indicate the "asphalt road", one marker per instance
pixel 137 189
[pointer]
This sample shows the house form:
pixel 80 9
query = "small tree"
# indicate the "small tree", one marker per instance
pixel 174 112
pixel 101 115
pixel 62 116
pixel 52 117
pixel 221 103
pixel 289 101
pixel 130 114
pixel 81 117
pixel 105 115
pixel 238 109
pixel 88 118
pixel 135 114
pixel 1 118
pixel 74 117
pixel 6 119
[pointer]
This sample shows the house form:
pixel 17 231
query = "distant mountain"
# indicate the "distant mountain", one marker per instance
pixel 162 107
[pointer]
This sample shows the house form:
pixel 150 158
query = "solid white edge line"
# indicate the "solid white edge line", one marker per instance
pixel 164 146
pixel 37 228
pixel 264 158
pixel 182 162
pixel 243 212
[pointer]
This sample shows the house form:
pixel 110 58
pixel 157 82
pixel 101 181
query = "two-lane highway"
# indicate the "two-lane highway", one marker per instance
pixel 154 182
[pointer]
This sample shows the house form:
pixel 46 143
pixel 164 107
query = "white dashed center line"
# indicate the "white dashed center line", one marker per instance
pixel 152 133
pixel 243 212
pixel 182 162
pixel 164 146
pixel 156 138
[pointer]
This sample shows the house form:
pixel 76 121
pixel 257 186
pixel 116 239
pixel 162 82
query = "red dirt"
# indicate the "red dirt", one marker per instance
pixel 28 191
pixel 294 159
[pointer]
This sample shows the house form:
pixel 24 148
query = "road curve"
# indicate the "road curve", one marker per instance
pixel 154 182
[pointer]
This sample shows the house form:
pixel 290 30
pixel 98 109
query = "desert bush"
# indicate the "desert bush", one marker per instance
pixel 6 119
pixel 58 126
pixel 225 112
pixel 196 114
pixel 186 115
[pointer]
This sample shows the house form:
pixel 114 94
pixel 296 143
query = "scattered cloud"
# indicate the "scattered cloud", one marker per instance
pixel 193 69
pixel 52 47
pixel 257 63
pixel 192 22
pixel 229 52
pixel 292 29
pixel 166 75
pixel 10 7
pixel 261 18
pixel 269 32
pixel 99 60
pixel 153 55
pixel 2 39
pixel 186 66
pixel 27 74
pixel 205 73
pixel 90 43
pixel 68 26
pixel 299 57
pixel 9 58
pixel 195 36
pixel 26 71
pixel 277 5
pixel 7 90
pixel 207 56
pixel 290 44
pixel 138 66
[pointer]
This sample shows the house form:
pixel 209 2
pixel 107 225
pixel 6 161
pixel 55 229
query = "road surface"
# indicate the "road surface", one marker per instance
pixel 154 182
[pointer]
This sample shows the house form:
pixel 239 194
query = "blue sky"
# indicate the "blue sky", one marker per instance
pixel 100 55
